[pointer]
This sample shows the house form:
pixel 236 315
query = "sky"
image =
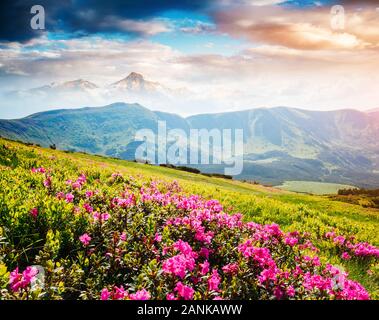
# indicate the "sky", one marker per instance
pixel 229 54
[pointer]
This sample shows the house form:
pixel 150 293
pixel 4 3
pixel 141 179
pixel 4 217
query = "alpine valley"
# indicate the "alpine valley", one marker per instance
pixel 280 144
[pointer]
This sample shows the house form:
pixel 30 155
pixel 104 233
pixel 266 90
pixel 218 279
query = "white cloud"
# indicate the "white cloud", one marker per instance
pixel 148 28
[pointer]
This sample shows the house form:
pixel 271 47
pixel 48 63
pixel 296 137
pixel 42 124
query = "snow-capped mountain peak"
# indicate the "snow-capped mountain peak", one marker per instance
pixel 78 84
pixel 135 82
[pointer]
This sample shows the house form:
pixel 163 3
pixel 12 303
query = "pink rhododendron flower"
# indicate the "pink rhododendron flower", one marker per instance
pixel 47 182
pixel 85 239
pixel 316 261
pixel 278 293
pixel 360 249
pixel 69 197
pixel 105 294
pixel 330 234
pixel 123 236
pixel 214 281
pixel 15 280
pixel 291 291
pixel 89 194
pixel 204 252
pixel 178 265
pixel 116 175
pixel 97 216
pixel 268 274
pixel 82 178
pixel 231 268
pixel 202 236
pixel 29 274
pixel 273 230
pixel 19 281
pixel 76 185
pixel 170 296
pixel 315 281
pixel 119 293
pixel 140 295
pixel 60 195
pixel 291 241
pixel 345 256
pixel 124 202
pixel 157 237
pixel 260 255
pixel 34 213
pixel 186 292
pixel 87 207
pixel 339 240
pixel 364 249
pixel 184 248
pixel 38 170
pixel 204 268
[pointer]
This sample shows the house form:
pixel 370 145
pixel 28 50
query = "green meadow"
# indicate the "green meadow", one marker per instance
pixel 292 211
pixel 313 187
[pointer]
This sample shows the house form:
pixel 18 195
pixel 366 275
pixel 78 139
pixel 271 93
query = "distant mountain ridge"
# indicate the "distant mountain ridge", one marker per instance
pixel 279 143
pixel 134 83
pixel 81 92
pixel 78 84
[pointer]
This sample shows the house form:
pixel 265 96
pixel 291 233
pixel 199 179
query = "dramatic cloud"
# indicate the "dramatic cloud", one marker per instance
pixel 98 59
pixel 301 29
pixel 88 16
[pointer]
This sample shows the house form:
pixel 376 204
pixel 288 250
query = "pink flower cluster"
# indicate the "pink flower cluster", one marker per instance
pixel 119 293
pixel 126 202
pixel 196 249
pixel 206 218
pixel 231 268
pixel 19 281
pixel 181 263
pixel 214 281
pixel 359 249
pixel 184 291
pixel 332 281
pixel 38 170
pixel 48 181
pixel 100 217
pixel 80 181
pixel 69 197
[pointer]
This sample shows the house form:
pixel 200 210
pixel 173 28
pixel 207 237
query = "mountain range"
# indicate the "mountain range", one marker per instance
pixel 280 143
pixel 134 83
pixel 79 92
pixel 54 87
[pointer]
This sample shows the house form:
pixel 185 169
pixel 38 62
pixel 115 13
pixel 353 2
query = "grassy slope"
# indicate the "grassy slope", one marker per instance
pixel 292 211
pixel 313 187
